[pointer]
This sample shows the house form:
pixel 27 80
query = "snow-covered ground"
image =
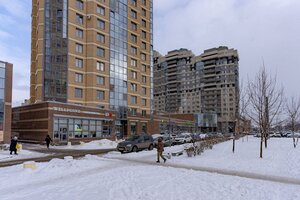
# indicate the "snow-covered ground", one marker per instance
pixel 101 178
pixel 110 177
pixel 97 144
pixel 23 154
pixel 280 158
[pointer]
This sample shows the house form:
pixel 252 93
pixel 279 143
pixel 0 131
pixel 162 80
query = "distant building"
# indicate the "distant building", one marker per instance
pixel 204 84
pixel 5 101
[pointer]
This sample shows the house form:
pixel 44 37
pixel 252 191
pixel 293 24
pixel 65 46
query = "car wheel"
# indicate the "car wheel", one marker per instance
pixel 134 149
pixel 150 147
pixel 122 151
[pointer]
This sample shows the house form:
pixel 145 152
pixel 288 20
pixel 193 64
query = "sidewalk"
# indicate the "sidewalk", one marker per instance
pixel 243 174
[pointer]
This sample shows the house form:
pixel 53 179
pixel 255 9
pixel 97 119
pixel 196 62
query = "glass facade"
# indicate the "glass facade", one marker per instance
pixel 2 94
pixel 70 128
pixel 56 51
pixel 118 60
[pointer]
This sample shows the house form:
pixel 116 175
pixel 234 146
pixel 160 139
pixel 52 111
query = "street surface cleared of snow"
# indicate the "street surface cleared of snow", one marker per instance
pixel 23 154
pixel 97 144
pixel 280 158
pixel 94 177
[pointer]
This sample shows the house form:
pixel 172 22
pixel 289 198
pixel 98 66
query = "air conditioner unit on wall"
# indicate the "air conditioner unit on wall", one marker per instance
pixel 89 17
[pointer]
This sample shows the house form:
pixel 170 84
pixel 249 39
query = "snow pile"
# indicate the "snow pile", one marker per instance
pixel 96 144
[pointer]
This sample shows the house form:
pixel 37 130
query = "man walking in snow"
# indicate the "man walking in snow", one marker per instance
pixel 13 145
pixel 160 149
pixel 48 140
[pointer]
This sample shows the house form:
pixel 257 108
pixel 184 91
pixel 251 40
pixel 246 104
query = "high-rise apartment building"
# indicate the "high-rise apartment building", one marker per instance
pixel 220 85
pixel 5 101
pixel 176 82
pixel 207 84
pixel 94 53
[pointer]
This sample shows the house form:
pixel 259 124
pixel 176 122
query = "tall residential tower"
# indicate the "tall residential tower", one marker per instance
pixel 94 53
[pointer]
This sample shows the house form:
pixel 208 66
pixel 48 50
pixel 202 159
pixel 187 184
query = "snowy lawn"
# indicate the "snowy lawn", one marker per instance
pixel 97 144
pixel 23 154
pixel 280 158
pixel 100 178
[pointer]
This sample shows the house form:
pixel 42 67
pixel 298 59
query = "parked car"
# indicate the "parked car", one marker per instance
pixel 166 139
pixel 135 143
pixel 183 138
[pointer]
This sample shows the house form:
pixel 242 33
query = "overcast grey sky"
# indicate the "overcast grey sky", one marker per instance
pixel 266 30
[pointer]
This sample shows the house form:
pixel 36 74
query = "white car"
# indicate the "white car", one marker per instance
pixel 181 139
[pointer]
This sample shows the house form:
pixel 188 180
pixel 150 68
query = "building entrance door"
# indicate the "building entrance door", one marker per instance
pixel 63 134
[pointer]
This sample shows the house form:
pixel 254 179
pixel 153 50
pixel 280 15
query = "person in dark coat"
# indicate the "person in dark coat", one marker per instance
pixel 160 149
pixel 13 145
pixel 48 140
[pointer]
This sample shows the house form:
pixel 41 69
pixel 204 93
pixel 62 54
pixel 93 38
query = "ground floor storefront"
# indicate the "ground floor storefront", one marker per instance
pixel 74 123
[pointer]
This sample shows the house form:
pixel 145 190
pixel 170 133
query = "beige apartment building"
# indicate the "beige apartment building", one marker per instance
pixel 206 85
pixel 95 53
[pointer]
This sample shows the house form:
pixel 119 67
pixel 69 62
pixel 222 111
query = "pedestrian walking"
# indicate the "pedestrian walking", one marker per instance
pixel 13 145
pixel 48 140
pixel 160 149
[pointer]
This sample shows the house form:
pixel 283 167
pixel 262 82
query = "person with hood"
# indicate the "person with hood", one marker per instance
pixel 13 145
pixel 48 140
pixel 160 149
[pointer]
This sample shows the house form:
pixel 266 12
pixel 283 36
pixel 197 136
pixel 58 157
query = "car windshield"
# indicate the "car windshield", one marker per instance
pixel 132 138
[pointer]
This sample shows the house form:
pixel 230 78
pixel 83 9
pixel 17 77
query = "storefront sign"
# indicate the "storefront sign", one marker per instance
pixel 74 111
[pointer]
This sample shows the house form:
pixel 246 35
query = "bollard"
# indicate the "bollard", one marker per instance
pixel 69 144
pixel 29 165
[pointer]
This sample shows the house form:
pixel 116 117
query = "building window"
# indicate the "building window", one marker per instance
pixel 133 128
pixel 133 26
pixel 100 52
pixel 133 74
pixel 78 62
pixel 133 62
pixel 100 66
pixel 79 48
pixel 144 35
pixel 133 14
pixel 133 50
pixel 144 12
pixel 144 90
pixel 144 2
pixel 133 2
pixel 144 113
pixel 78 93
pixel 144 68
pixel 100 80
pixel 133 111
pixel 133 87
pixel 79 4
pixel 101 37
pixel 100 10
pixel 79 19
pixel 144 79
pixel 133 100
pixel 144 23
pixel 133 38
pixel 144 102
pixel 78 78
pixel 101 24
pixel 143 56
pixel 100 95
pixel 79 33
pixel 144 45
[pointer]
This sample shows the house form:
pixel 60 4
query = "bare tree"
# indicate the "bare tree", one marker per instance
pixel 265 102
pixel 242 102
pixel 293 112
